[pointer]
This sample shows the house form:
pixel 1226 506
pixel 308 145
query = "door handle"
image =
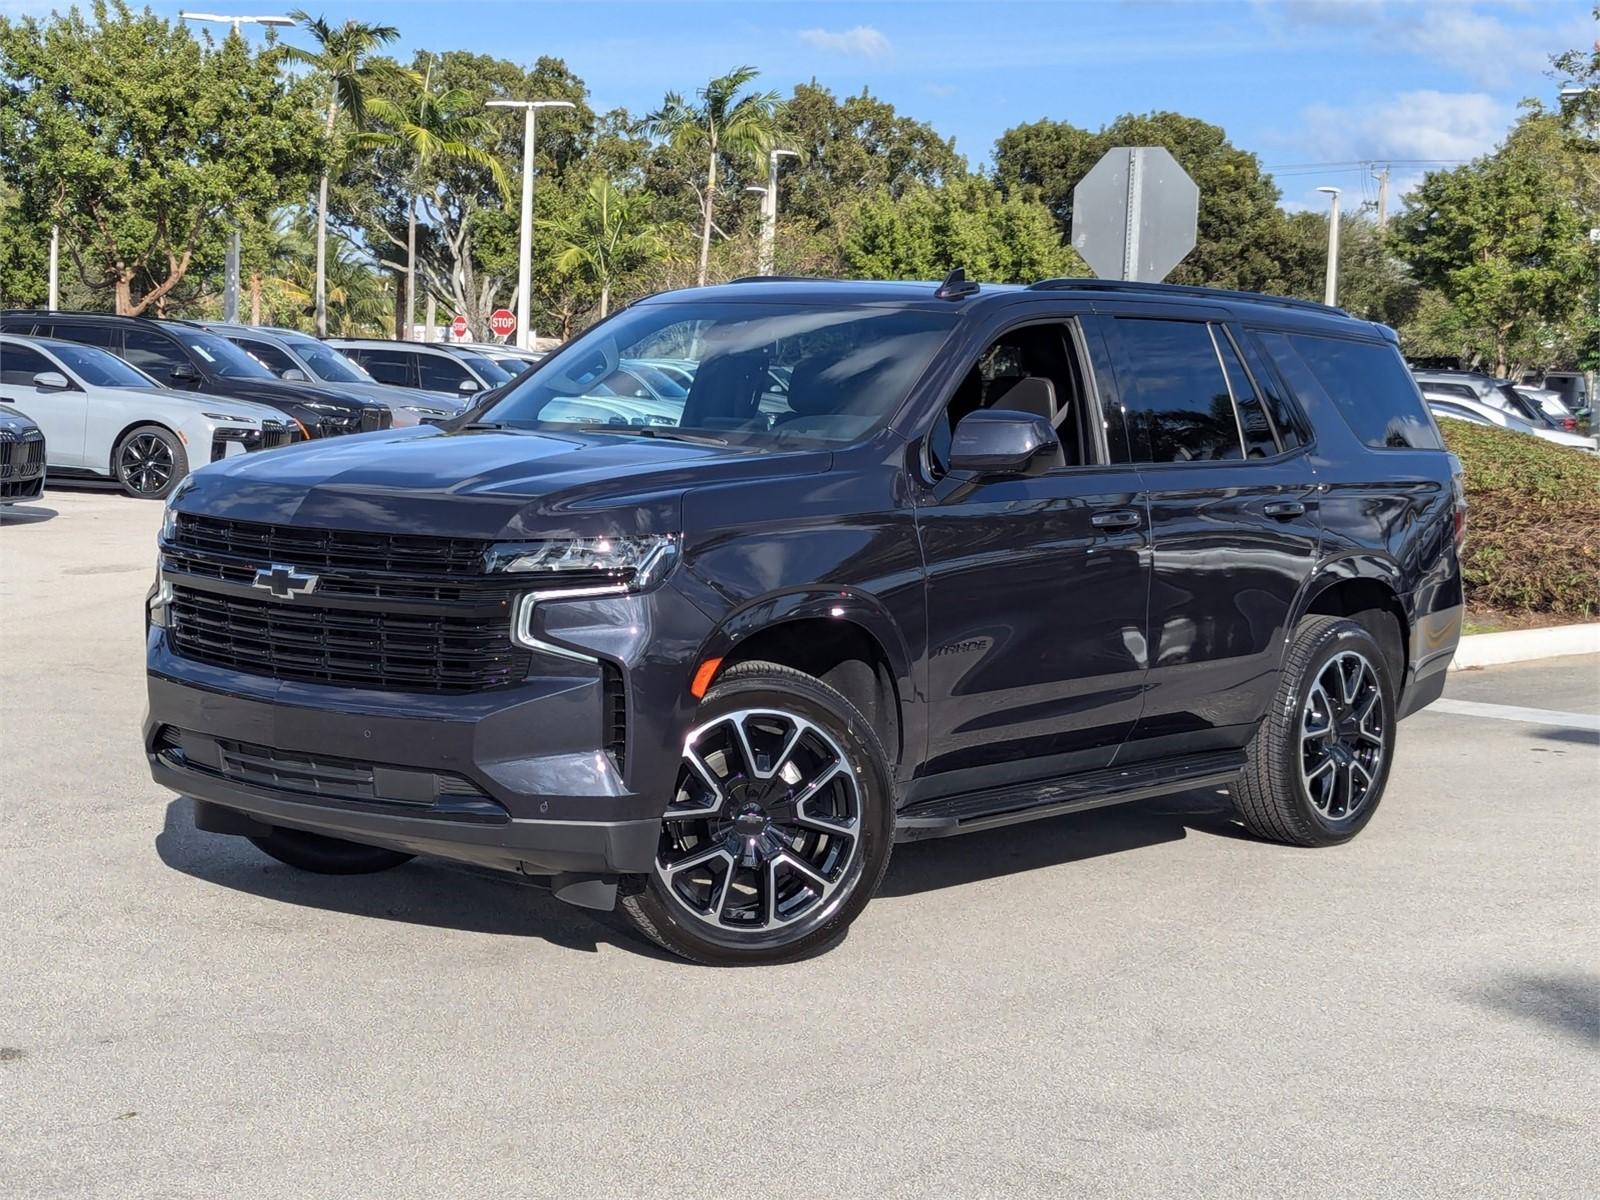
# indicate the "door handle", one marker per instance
pixel 1284 508
pixel 1124 518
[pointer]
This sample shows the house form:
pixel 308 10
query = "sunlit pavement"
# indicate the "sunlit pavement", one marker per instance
pixel 1141 1001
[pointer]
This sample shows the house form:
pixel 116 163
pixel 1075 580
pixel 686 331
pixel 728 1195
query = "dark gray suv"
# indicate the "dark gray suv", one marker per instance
pixel 985 555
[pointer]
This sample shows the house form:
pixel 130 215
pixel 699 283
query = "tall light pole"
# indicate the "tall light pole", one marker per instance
pixel 230 287
pixel 55 259
pixel 525 251
pixel 1331 289
pixel 769 211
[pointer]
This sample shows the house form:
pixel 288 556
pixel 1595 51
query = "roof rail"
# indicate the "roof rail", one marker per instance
pixel 785 279
pixel 1180 289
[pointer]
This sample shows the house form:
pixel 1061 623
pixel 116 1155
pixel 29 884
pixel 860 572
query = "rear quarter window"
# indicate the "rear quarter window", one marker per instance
pixel 1367 382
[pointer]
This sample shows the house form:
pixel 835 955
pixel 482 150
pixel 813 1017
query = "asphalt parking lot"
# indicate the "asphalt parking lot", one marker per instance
pixel 1137 1001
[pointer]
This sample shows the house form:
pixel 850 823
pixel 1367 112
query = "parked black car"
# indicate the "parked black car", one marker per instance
pixel 22 457
pixel 178 354
pixel 994 554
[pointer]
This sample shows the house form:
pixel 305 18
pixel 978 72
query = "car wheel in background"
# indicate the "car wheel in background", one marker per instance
pixel 779 827
pixel 149 461
pixel 1318 764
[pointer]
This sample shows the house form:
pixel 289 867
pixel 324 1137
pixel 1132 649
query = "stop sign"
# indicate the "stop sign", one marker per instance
pixel 503 322
pixel 458 327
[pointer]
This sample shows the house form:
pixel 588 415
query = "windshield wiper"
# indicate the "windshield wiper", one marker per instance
pixel 652 431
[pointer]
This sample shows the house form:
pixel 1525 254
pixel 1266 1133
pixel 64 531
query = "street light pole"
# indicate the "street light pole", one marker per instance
pixel 769 211
pixel 525 248
pixel 1331 288
pixel 230 286
pixel 55 258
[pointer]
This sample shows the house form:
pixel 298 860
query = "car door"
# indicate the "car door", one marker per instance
pixel 1234 523
pixel 61 413
pixel 393 367
pixel 1036 585
pixel 162 358
pixel 437 372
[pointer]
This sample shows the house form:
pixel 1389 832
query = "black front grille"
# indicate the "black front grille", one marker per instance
pixel 376 418
pixel 320 550
pixel 21 465
pixel 301 640
pixel 273 436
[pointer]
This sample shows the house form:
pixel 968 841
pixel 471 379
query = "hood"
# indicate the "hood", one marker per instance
pixel 479 483
pixel 203 402
pixel 283 391
pixel 399 397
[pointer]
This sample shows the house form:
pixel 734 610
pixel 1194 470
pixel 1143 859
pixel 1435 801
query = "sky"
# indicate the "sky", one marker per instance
pixel 1316 88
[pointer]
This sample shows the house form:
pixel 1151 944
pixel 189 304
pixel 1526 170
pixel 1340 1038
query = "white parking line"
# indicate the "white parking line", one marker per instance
pixel 1513 712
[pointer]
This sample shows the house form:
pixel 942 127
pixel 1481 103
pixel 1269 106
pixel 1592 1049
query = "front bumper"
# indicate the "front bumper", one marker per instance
pixel 514 778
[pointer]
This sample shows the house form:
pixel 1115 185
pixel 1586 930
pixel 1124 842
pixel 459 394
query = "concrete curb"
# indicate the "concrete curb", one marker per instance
pixel 1524 645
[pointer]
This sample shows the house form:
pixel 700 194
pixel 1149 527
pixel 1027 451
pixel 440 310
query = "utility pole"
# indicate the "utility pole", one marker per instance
pixel 769 212
pixel 1330 289
pixel 55 259
pixel 230 288
pixel 525 249
pixel 1383 199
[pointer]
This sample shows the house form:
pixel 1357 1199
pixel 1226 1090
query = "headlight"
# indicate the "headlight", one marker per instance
pixel 426 412
pixel 317 406
pixel 636 561
pixel 224 417
pixel 169 514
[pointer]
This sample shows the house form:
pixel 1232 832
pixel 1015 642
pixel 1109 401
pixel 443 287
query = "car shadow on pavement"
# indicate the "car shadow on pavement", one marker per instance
pixel 25 514
pixel 1568 1004
pixel 950 862
pixel 424 891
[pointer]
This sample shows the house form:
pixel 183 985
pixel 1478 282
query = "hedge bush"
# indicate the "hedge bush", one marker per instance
pixel 1533 522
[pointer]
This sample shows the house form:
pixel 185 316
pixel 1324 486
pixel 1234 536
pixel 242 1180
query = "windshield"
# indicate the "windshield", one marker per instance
pixel 493 374
pixel 100 368
pixel 326 363
pixel 848 369
pixel 221 356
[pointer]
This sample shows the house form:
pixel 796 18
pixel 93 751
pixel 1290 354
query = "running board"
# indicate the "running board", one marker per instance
pixel 946 815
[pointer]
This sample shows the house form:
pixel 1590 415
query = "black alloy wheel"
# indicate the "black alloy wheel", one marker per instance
pixel 149 462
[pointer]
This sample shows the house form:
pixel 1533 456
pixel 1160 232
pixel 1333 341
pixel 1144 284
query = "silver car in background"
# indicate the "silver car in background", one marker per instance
pixel 1460 408
pixel 428 366
pixel 296 356
pixel 103 418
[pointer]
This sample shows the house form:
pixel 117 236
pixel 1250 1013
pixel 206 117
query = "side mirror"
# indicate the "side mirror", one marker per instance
pixel 1002 442
pixel 51 381
pixel 294 375
pixel 467 386
pixel 184 373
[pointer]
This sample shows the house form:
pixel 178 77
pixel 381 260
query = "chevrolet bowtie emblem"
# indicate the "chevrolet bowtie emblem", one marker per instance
pixel 284 582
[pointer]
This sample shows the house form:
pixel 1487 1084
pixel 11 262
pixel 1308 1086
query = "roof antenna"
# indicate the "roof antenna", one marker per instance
pixel 956 286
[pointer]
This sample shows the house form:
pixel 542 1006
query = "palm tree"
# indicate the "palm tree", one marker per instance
pixel 340 55
pixel 722 123
pixel 431 126
pixel 609 233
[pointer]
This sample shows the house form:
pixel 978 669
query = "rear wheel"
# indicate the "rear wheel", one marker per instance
pixel 779 828
pixel 325 855
pixel 149 461
pixel 1318 764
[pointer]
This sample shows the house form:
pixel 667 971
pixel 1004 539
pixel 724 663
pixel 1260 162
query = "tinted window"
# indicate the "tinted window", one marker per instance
pixel 326 363
pixel 100 368
pixel 1174 394
pixel 19 364
pixel 492 374
pixel 153 353
pixel 105 336
pixel 386 366
pixel 1032 369
pixel 271 357
pixel 852 367
pixel 1450 389
pixel 441 374
pixel 1253 422
pixel 1368 383
pixel 220 356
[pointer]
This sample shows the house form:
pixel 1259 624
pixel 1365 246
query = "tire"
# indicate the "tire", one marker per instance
pixel 1317 766
pixel 756 868
pixel 149 461
pixel 325 855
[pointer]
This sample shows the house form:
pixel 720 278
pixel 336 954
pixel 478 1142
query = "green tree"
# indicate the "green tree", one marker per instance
pixel 341 59
pixel 723 123
pixel 927 231
pixel 142 147
pixel 1504 241
pixel 431 126
pixel 1241 230
pixel 608 236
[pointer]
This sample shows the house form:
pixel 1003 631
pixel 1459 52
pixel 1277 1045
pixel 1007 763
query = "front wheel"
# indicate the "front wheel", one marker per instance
pixel 778 832
pixel 149 462
pixel 1319 762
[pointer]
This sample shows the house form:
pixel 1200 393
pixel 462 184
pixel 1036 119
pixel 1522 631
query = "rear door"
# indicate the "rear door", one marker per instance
pixel 1234 524
pixel 62 415
pixel 1037 584
pixel 393 367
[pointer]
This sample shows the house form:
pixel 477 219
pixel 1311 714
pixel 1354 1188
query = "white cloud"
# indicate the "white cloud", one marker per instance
pixel 863 41
pixel 1422 124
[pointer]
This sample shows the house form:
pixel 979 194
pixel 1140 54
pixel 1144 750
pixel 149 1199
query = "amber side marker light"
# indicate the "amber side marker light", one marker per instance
pixel 703 677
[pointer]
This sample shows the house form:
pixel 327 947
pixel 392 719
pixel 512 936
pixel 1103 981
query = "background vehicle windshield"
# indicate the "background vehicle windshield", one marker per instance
pixel 326 363
pixel 100 368
pixel 493 373
pixel 221 356
pixel 848 369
